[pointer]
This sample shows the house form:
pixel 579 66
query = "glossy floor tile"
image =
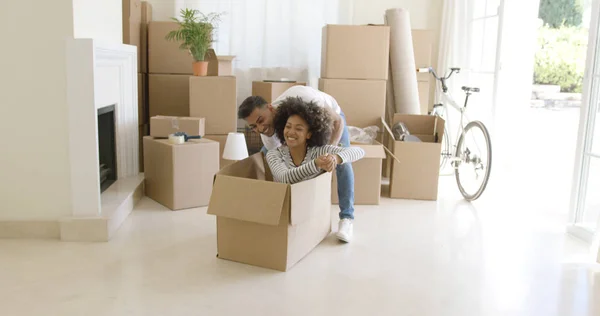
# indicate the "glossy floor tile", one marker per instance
pixel 492 257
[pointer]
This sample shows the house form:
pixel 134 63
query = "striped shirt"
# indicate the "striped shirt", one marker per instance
pixel 284 170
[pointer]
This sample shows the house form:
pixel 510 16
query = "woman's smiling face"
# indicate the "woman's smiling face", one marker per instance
pixel 296 132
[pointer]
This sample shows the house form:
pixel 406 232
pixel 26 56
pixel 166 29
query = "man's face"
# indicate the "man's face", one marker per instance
pixel 261 120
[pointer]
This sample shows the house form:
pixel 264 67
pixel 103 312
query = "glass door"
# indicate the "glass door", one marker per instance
pixel 585 201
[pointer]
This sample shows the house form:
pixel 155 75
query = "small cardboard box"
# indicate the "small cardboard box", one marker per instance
pixel 163 126
pixel 146 18
pixel 268 224
pixel 132 23
pixel 416 177
pixel 222 139
pixel 355 52
pixel 165 57
pixel 367 176
pixel 168 95
pixel 362 101
pixel 214 98
pixel 219 65
pixel 180 176
pixel 271 90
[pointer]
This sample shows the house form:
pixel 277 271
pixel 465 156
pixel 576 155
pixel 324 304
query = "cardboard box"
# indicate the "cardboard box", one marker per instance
pixel 180 176
pixel 163 126
pixel 219 65
pixel 271 90
pixel 132 22
pixel 142 99
pixel 146 18
pixel 423 87
pixel 168 95
pixel 276 230
pixel 367 176
pixel 423 47
pixel 222 139
pixel 362 101
pixel 143 131
pixel 165 57
pixel 215 99
pixel 355 52
pixel 416 177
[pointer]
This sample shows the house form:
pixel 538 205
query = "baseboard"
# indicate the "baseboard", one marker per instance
pixel 29 229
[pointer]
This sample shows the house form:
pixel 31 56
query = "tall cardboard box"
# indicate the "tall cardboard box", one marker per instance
pixel 367 177
pixel 271 90
pixel 362 101
pixel 143 131
pixel 416 177
pixel 355 52
pixel 275 231
pixel 221 139
pixel 214 98
pixel 146 18
pixel 165 57
pixel 168 95
pixel 163 126
pixel 180 176
pixel 132 22
pixel 142 99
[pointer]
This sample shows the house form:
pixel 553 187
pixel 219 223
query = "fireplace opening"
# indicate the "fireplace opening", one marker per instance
pixel 107 147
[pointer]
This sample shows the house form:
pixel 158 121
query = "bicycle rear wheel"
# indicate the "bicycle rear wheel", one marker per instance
pixel 474 150
pixel 446 154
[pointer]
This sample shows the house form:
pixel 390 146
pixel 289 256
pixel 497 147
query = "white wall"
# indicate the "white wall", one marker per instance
pixel 98 19
pixel 34 164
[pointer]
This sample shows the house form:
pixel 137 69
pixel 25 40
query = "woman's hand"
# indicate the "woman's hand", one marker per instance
pixel 327 162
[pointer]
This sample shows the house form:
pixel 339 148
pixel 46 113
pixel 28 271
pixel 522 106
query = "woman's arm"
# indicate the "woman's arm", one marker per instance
pixel 281 172
pixel 346 154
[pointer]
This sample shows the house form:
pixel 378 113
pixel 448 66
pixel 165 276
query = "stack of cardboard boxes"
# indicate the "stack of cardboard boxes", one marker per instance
pixel 354 70
pixel 136 15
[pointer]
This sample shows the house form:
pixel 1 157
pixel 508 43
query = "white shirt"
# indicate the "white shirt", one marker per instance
pixel 307 94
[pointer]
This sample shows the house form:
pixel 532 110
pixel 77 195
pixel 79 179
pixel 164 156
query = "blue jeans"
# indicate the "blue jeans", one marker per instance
pixel 345 179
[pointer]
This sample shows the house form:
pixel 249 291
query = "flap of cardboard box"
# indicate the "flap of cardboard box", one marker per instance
pixel 421 124
pixel 211 55
pixel 307 196
pixel 248 200
pixel 371 151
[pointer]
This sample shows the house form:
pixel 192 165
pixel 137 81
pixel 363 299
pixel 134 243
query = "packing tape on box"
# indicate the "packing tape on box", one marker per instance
pixel 176 140
pixel 175 123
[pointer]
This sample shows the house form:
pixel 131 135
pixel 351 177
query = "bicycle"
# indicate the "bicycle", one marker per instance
pixel 463 154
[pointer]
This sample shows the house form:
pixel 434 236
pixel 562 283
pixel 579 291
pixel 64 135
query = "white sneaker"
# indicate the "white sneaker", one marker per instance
pixel 345 230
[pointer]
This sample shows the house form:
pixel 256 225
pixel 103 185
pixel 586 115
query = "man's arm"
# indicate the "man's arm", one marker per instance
pixel 338 128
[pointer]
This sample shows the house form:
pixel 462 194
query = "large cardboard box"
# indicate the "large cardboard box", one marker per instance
pixel 165 57
pixel 163 126
pixel 146 18
pixel 367 176
pixel 362 101
pixel 222 139
pixel 355 52
pixel 168 95
pixel 132 22
pixel 142 99
pixel 219 65
pixel 180 176
pixel 276 230
pixel 416 176
pixel 271 90
pixel 214 98
pixel 143 131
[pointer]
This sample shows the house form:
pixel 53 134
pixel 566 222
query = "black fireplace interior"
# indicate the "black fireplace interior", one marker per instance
pixel 106 147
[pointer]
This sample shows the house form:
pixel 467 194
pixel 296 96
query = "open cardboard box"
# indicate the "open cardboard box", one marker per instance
pixel 416 177
pixel 265 223
pixel 219 65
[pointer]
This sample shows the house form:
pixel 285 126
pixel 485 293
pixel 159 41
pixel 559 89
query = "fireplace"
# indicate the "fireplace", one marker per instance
pixel 107 147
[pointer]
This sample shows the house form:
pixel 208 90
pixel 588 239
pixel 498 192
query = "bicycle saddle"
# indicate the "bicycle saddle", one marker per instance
pixel 470 89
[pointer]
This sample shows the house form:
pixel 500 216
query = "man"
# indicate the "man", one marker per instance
pixel 258 113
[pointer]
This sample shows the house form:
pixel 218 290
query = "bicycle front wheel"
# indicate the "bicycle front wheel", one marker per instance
pixel 474 163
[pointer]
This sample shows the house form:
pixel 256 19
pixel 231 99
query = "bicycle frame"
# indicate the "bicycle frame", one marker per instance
pixel 448 99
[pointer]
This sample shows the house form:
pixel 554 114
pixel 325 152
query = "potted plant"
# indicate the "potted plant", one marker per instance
pixel 195 33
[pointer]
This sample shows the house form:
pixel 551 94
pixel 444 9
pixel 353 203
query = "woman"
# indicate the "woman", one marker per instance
pixel 304 130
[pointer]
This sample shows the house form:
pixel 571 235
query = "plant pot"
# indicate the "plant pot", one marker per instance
pixel 200 68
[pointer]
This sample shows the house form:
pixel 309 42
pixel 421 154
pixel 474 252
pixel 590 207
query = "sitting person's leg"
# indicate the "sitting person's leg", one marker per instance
pixel 345 189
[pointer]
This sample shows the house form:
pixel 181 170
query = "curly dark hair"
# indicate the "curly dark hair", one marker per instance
pixel 249 104
pixel 318 119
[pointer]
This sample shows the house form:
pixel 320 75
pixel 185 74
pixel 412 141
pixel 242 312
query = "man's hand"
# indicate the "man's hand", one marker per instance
pixel 338 128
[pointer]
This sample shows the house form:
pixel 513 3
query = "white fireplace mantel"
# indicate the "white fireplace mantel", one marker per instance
pixel 99 75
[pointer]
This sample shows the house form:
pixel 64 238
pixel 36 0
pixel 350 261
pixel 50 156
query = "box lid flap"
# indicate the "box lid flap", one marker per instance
pixel 308 196
pixel 372 151
pixel 248 199
pixel 225 57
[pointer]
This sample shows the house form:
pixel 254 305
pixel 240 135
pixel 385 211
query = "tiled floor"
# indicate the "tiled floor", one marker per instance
pixel 492 257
